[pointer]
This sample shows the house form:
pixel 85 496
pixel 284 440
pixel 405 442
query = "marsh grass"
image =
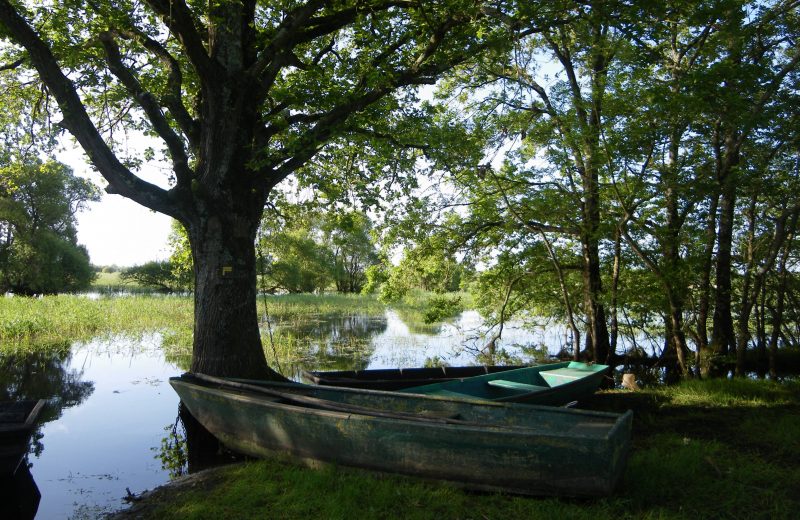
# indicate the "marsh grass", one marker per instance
pixel 29 323
pixel 702 449
pixel 44 324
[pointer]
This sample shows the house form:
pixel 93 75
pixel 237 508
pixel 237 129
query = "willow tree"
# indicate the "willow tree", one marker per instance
pixel 243 94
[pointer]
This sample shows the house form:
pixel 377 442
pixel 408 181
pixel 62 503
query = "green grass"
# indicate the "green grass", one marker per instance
pixel 702 449
pixel 27 323
pixel 110 280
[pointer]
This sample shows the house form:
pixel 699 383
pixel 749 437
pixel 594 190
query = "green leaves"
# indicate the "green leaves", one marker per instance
pixel 39 252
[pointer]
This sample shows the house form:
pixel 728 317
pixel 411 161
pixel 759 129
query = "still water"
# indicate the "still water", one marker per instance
pixel 110 403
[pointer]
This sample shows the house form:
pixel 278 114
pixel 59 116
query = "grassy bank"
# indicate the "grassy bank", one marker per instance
pixel 710 449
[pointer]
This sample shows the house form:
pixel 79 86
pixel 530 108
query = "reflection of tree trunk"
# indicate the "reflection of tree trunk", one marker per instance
pixel 203 450
pixel 19 495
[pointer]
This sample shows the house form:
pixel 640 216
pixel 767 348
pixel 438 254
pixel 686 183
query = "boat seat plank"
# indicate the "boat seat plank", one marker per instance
pixel 513 385
pixel 569 372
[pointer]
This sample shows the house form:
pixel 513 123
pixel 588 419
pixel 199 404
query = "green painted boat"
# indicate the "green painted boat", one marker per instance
pixel 508 447
pixel 554 384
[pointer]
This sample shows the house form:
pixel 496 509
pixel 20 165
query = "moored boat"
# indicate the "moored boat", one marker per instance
pixel 17 421
pixel 553 384
pixel 506 447
pixel 398 378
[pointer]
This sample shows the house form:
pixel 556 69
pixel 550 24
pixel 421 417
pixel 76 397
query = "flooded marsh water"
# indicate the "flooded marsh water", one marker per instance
pixel 110 406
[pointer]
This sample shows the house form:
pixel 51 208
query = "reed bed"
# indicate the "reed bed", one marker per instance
pixel 27 322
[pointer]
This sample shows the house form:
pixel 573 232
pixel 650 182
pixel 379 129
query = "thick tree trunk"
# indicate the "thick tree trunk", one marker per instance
pixel 723 338
pixel 598 330
pixel 614 332
pixel 227 341
pixel 677 339
pixel 704 298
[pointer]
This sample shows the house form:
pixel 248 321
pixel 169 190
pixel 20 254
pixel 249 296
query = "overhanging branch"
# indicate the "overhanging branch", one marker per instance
pixel 178 18
pixel 173 99
pixel 77 121
pixel 180 161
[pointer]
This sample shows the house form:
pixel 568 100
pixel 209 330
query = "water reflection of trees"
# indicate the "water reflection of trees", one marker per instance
pixel 188 447
pixel 415 321
pixel 43 374
pixel 333 343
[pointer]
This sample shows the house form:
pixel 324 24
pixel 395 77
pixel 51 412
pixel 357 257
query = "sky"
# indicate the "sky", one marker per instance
pixel 117 231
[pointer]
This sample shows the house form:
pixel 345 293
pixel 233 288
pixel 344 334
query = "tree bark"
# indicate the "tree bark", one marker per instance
pixel 723 338
pixel 704 298
pixel 227 340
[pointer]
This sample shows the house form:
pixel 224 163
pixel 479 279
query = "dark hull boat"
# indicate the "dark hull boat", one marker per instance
pixel 554 384
pixel 17 421
pixel 490 446
pixel 397 378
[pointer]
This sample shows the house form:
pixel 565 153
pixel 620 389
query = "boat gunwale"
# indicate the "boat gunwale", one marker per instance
pixel 464 400
pixel 30 418
pixel 334 377
pixel 559 388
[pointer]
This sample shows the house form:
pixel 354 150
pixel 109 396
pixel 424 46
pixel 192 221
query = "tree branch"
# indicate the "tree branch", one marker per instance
pixel 418 73
pixel 180 161
pixel 178 18
pixel 78 122
pixel 13 65
pixel 173 99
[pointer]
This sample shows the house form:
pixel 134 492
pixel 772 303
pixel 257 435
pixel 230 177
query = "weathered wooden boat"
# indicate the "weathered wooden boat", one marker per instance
pixel 554 384
pixel 398 378
pixel 507 447
pixel 17 421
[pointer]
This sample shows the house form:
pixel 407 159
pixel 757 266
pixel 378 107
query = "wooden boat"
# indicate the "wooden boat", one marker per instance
pixel 397 378
pixel 17 421
pixel 554 384
pixel 507 447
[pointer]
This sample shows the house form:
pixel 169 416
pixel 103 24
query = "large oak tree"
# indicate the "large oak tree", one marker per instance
pixel 242 94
